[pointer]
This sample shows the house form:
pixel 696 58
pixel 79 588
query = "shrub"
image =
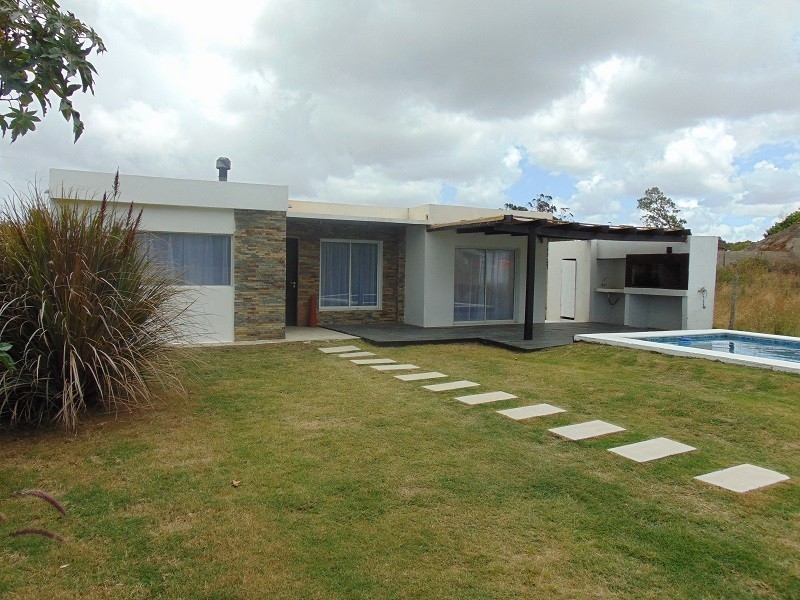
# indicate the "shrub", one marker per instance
pixel 88 319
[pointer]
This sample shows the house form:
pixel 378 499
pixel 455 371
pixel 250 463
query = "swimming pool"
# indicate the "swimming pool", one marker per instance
pixel 781 353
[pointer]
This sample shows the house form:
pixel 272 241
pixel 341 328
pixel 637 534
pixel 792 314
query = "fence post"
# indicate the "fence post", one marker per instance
pixel 734 298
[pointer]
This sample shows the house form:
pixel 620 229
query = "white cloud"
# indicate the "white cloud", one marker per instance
pixel 139 129
pixel 384 102
pixel 369 186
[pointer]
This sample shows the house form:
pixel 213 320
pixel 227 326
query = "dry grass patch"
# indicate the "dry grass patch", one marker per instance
pixel 768 298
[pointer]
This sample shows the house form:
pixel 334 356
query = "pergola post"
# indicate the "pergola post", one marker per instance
pixel 530 281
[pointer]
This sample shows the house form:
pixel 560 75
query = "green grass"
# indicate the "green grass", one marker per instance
pixel 357 485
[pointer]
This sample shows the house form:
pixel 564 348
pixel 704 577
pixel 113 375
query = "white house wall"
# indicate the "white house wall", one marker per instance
pixel 170 192
pixel 702 275
pixel 209 317
pixel 601 265
pixel 415 275
pixel 430 274
pixel 581 252
pixel 210 313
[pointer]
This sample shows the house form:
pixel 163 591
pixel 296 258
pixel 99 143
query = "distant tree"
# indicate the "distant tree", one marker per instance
pixel 733 246
pixel 783 224
pixel 544 203
pixel 659 210
pixel 42 50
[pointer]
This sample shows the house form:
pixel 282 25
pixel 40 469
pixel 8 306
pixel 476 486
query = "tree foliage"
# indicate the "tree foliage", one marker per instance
pixel 42 51
pixel 543 203
pixel 659 210
pixel 783 224
pixel 734 246
pixel 6 362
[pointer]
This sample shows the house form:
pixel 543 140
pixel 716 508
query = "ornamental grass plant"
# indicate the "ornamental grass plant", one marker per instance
pixel 88 319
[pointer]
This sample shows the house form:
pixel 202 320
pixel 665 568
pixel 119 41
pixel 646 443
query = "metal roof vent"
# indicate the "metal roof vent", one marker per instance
pixel 223 166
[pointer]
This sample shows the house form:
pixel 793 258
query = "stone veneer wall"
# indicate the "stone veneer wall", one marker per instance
pixel 259 275
pixel 310 232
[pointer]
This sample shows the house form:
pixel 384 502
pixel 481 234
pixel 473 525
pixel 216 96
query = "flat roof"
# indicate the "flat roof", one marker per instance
pixel 89 186
pixel 566 230
pixel 423 214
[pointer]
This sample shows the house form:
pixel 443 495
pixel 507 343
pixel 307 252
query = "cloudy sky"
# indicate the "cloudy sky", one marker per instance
pixel 402 102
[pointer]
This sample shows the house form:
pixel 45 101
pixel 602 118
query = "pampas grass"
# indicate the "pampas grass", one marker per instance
pixel 88 319
pixel 44 496
pixel 37 531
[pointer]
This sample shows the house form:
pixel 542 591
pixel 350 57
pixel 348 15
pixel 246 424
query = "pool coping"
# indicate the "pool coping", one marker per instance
pixel 638 341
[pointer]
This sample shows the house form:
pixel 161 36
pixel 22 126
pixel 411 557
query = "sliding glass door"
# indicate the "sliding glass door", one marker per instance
pixel 484 285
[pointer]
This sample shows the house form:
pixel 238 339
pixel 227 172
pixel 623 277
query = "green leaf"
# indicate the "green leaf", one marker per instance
pixel 77 125
pixel 44 50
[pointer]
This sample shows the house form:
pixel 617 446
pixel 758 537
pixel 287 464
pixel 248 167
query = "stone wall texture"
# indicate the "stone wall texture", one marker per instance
pixel 310 232
pixel 259 275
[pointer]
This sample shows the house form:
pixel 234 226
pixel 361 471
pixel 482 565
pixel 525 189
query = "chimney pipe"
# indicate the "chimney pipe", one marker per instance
pixel 223 166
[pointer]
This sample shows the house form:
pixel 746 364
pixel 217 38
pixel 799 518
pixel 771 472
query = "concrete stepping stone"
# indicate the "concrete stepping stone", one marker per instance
pixel 405 367
pixel 651 449
pixel 474 399
pixel 743 478
pixel 420 376
pixel 339 349
pixel 356 354
pixel 373 361
pixel 526 412
pixel 451 385
pixel 582 431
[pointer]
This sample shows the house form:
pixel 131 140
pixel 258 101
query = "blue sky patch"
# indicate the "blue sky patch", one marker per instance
pixel 535 181
pixel 777 154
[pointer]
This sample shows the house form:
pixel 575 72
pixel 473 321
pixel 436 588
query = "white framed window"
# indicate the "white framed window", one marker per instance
pixel 350 274
pixel 484 284
pixel 194 258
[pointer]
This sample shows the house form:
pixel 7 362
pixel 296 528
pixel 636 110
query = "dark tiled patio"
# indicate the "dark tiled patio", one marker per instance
pixel 545 335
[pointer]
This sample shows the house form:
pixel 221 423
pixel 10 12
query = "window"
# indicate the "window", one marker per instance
pixel 195 258
pixel 484 285
pixel 349 274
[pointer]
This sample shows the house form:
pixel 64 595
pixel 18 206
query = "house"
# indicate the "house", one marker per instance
pixel 254 261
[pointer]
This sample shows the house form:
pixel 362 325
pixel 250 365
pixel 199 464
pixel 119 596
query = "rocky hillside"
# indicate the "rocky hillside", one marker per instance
pixel 787 240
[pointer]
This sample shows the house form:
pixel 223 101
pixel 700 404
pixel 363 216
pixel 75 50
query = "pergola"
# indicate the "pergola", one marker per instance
pixel 536 227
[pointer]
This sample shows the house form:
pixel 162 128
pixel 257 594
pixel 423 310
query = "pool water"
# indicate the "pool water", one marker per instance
pixel 731 343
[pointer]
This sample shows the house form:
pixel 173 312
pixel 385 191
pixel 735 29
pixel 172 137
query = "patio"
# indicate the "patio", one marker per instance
pixel 545 335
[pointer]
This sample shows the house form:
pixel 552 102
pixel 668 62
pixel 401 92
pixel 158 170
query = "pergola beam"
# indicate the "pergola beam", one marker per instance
pixel 535 229
pixel 530 281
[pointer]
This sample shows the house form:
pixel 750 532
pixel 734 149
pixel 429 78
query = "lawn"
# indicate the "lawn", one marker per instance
pixel 354 484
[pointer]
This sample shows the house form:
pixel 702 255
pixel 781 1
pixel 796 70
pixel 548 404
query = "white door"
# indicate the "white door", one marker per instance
pixel 569 273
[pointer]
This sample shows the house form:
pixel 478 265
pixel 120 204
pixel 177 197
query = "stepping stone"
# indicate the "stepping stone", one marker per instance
pixel 474 399
pixel 339 349
pixel 526 412
pixel 420 376
pixel 394 367
pixel 743 478
pixel 373 361
pixel 356 354
pixel 582 431
pixel 651 449
pixel 452 385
